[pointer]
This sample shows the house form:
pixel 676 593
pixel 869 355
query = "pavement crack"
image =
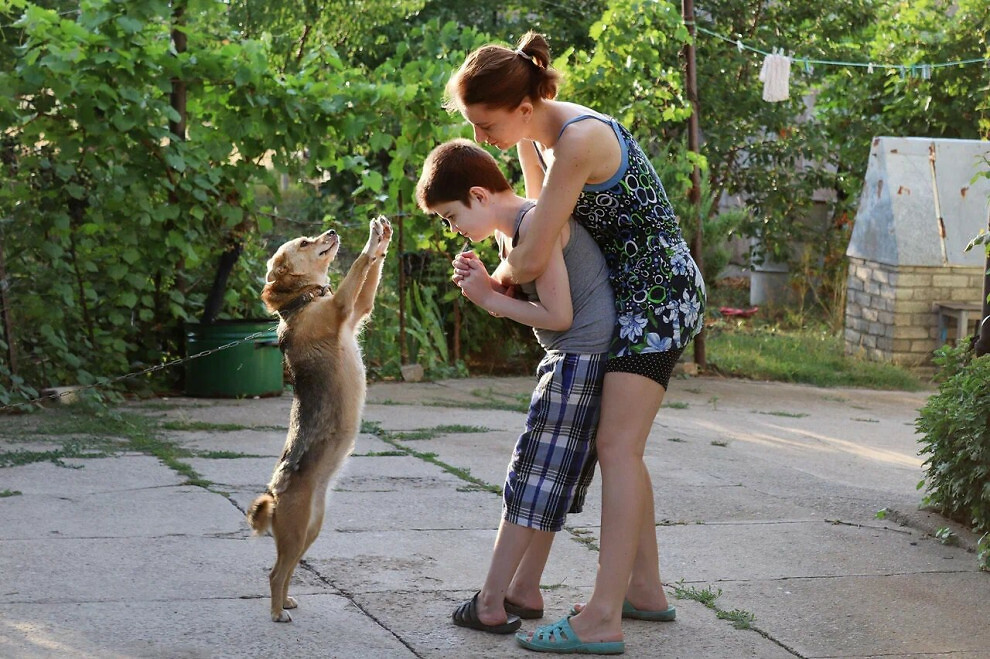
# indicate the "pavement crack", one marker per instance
pixel 350 597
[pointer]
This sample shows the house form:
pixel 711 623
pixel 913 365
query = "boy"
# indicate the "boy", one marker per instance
pixel 572 312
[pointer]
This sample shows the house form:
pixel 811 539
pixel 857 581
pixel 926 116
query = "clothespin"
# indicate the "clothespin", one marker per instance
pixel 869 67
pixel 739 45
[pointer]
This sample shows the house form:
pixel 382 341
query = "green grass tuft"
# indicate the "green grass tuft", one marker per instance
pixel 806 356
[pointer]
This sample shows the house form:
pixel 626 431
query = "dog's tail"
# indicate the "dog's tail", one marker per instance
pixel 259 515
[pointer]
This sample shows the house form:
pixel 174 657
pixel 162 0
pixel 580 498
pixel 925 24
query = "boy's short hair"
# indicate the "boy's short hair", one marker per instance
pixel 452 169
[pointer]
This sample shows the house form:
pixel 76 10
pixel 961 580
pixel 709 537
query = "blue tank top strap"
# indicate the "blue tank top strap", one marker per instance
pixel 604 120
pixel 539 155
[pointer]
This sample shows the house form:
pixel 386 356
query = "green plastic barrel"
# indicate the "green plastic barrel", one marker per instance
pixel 252 367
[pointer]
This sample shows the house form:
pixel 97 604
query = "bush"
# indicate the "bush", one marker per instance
pixel 955 429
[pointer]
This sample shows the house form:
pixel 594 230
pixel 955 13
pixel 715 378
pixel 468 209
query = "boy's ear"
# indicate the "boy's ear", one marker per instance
pixel 479 194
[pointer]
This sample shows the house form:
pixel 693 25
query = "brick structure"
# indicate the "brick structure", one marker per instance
pixel 889 313
pixel 900 263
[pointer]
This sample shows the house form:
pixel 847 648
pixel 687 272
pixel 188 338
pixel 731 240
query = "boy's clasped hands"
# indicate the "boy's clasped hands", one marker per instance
pixel 471 276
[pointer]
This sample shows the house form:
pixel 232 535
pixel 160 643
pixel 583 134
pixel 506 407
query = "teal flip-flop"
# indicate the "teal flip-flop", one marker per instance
pixel 629 611
pixel 561 638
pixel 667 615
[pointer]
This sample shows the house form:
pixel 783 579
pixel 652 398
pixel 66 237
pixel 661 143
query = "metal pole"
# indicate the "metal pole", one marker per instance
pixel 982 345
pixel 687 10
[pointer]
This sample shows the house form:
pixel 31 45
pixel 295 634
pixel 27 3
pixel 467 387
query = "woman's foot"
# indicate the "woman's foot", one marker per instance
pixel 590 630
pixel 649 599
pixel 560 637
pixel 663 611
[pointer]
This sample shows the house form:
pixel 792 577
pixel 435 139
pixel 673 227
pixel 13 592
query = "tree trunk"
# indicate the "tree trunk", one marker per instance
pixel 8 326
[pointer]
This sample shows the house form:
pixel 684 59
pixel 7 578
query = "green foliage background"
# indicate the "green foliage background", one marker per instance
pixel 303 115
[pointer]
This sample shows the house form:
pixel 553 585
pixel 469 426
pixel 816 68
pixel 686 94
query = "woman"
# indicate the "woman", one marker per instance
pixel 578 161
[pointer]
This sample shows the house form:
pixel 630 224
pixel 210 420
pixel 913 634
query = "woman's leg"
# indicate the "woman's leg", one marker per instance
pixel 626 501
pixel 645 587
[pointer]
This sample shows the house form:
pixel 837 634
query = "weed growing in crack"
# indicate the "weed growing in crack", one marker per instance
pixel 708 596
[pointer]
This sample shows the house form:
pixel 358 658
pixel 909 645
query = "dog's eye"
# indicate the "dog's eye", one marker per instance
pixel 304 243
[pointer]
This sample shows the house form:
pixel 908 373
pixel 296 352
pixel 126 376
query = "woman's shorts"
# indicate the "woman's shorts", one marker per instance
pixel 554 459
pixel 657 366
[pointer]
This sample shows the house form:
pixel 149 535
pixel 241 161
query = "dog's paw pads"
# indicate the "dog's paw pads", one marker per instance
pixel 290 603
pixel 376 228
pixel 283 616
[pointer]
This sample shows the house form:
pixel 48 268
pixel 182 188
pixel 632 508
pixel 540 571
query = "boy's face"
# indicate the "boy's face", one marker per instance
pixel 474 222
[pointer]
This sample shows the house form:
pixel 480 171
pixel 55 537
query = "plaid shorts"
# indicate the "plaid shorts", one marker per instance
pixel 554 460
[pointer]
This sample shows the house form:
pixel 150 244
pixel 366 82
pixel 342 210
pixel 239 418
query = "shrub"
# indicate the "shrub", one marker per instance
pixel 955 429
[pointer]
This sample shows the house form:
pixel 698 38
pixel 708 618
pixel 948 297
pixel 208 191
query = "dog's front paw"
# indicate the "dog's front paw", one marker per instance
pixel 380 233
pixel 290 602
pixel 386 235
pixel 281 616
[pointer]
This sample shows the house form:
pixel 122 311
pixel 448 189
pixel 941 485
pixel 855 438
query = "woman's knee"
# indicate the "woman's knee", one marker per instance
pixel 619 454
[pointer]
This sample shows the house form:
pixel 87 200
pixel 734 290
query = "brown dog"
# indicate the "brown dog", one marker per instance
pixel 317 331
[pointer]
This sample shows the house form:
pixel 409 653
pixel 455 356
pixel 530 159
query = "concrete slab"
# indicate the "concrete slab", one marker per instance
pixel 889 615
pixel 695 634
pixel 162 568
pixel 266 442
pixel 188 511
pixel 386 561
pixel 120 558
pixel 399 418
pixel 331 627
pixel 81 477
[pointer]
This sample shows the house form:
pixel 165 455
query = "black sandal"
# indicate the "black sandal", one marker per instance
pixel 466 615
pixel 522 611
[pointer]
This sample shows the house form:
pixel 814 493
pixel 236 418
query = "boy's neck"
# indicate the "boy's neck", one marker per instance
pixel 507 210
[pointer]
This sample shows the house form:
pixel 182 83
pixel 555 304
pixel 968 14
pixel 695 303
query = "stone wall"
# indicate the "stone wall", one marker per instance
pixel 889 314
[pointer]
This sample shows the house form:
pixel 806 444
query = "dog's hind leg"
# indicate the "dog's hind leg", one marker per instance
pixel 315 524
pixel 290 527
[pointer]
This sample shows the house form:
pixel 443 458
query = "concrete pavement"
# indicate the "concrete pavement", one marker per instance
pixel 766 495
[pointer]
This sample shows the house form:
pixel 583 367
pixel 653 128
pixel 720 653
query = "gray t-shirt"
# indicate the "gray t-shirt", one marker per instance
pixel 591 295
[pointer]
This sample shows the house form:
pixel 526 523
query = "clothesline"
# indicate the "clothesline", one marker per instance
pixel 807 62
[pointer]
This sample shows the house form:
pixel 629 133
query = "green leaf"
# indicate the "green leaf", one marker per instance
pixel 129 25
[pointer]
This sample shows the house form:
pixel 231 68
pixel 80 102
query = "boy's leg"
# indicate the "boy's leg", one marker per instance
pixel 511 545
pixel 524 589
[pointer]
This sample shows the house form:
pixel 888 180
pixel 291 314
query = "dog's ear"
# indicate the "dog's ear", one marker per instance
pixel 276 267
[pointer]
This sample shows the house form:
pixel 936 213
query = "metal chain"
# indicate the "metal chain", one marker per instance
pixel 151 369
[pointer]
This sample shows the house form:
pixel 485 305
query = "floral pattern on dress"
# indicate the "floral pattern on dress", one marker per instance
pixel 659 291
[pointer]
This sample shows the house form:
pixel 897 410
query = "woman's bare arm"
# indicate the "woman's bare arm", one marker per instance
pixel 573 161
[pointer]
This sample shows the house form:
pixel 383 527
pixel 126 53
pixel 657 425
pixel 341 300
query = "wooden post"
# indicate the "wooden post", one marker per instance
pixel 403 350
pixel 8 326
pixel 691 82
pixel 177 98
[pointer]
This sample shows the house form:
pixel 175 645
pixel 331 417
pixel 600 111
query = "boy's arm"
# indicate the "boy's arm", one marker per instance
pixel 553 311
